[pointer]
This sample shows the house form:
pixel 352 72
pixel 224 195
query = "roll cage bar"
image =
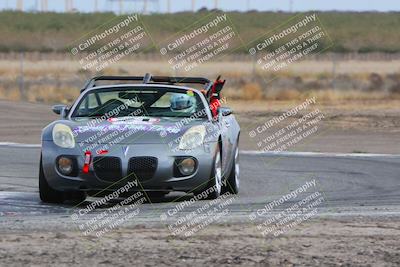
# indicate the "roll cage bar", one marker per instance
pixel 149 79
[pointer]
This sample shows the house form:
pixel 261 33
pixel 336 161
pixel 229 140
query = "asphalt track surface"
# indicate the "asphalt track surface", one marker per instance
pixel 351 184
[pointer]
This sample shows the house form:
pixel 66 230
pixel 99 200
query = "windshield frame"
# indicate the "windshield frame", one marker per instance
pixel 170 88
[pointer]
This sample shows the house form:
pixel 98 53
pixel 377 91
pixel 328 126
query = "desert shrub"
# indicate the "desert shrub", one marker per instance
pixel 51 94
pixel 395 89
pixel 10 94
pixel 288 94
pixel 376 81
pixel 252 91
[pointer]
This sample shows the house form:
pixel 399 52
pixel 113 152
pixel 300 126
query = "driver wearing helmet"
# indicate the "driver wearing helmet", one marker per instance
pixel 183 103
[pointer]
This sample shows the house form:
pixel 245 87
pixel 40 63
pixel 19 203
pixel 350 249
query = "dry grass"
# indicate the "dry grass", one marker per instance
pixel 239 69
pixel 341 95
pixel 54 81
pixel 285 94
pixel 41 94
pixel 49 94
pixel 10 94
pixel 252 91
pixel 376 106
pixel 331 95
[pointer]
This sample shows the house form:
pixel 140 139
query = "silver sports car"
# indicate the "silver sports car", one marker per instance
pixel 159 134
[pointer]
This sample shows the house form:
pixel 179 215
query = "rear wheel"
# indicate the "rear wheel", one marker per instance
pixel 232 185
pixel 48 194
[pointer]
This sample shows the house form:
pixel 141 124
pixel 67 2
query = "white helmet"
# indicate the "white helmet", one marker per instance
pixel 183 103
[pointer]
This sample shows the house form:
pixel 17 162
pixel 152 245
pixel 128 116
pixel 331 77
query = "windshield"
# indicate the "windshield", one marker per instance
pixel 153 102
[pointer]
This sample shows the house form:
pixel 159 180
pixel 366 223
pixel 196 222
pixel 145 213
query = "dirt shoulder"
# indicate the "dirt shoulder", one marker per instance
pixel 350 242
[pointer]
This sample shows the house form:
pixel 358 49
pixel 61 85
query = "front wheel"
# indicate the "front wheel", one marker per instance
pixel 214 188
pixel 48 194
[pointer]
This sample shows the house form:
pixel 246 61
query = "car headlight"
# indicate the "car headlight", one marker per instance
pixel 63 136
pixel 193 137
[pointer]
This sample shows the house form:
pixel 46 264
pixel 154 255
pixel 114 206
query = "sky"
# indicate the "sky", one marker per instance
pixel 227 5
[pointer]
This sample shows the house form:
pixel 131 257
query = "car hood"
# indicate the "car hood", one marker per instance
pixel 129 130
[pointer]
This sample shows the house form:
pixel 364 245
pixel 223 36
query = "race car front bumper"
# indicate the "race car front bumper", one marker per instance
pixel 116 168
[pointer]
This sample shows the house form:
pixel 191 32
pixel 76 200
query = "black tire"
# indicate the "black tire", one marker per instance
pixel 214 186
pixel 48 194
pixel 232 182
pixel 76 197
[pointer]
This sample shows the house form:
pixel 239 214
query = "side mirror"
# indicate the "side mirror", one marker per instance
pixel 60 109
pixel 224 111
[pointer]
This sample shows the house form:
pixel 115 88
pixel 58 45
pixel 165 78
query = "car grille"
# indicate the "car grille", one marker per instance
pixel 143 168
pixel 108 168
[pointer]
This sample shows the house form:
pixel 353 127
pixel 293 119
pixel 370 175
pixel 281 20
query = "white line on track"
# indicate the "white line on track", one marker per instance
pixel 316 154
pixel 10 144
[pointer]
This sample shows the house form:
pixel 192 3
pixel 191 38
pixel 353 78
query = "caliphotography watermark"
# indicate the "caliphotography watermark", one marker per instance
pixel 100 132
pixel 188 217
pixel 208 39
pixel 300 37
pixel 203 133
pixel 109 212
pixel 283 132
pixel 111 42
pixel 290 210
